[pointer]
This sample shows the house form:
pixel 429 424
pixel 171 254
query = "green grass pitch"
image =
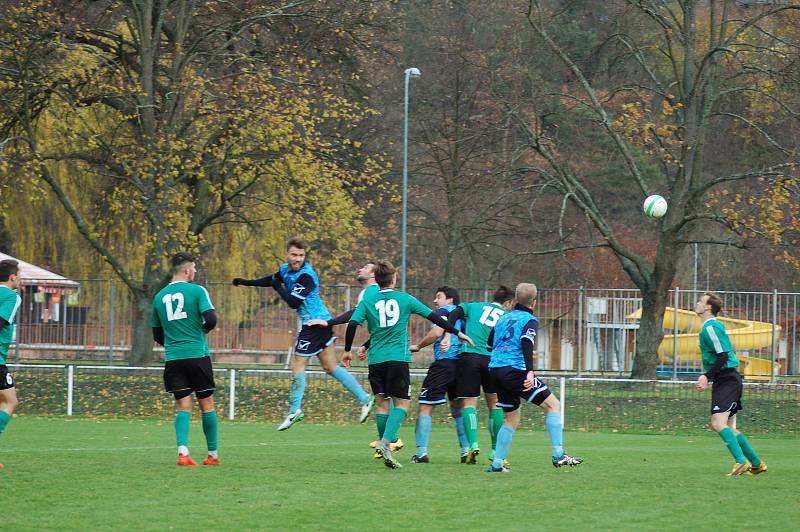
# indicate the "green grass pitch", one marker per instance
pixel 88 474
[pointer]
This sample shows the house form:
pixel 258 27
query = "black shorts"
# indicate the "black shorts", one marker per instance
pixel 187 375
pixel 440 380
pixel 390 379
pixel 726 392
pixel 6 380
pixel 509 381
pixel 312 340
pixel 472 374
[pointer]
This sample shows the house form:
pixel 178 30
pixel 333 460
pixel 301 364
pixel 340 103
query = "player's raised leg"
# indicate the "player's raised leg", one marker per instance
pixel 327 359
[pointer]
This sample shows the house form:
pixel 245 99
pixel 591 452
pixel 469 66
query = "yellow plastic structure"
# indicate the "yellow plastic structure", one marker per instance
pixel 745 335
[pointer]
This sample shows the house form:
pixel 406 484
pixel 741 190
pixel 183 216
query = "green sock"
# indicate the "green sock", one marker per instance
pixel 748 451
pixel 210 429
pixel 396 418
pixel 732 443
pixel 5 418
pixel 182 427
pixel 471 425
pixel 392 435
pixel 495 422
pixel 380 420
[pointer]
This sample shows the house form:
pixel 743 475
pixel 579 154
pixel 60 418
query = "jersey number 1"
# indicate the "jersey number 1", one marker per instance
pixel 177 313
pixel 388 312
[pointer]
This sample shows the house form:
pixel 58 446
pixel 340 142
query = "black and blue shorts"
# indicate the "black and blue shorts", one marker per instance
pixel 439 382
pixel 185 376
pixel 472 374
pixel 6 380
pixel 313 340
pixel 390 379
pixel 726 392
pixel 509 383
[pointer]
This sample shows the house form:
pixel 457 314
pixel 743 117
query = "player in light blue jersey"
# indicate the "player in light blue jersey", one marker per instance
pixel 511 368
pixel 9 305
pixel 298 285
pixel 440 382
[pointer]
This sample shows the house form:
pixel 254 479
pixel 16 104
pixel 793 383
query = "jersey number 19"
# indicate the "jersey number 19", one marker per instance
pixel 176 313
pixel 388 312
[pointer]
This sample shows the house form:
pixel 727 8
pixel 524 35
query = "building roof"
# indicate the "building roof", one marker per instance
pixel 34 275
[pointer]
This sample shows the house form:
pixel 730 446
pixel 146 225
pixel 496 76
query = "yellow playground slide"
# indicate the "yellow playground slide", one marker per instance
pixel 745 335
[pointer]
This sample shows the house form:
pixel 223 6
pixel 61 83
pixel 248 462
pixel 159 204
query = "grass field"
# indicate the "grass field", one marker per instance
pixel 120 474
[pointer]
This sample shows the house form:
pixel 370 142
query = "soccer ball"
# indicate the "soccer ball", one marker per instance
pixel 655 206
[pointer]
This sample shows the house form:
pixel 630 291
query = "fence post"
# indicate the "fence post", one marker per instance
pixel 70 382
pixel 232 394
pixel 561 385
pixel 347 298
pixel 580 331
pixel 774 330
pixel 675 303
pixel 111 306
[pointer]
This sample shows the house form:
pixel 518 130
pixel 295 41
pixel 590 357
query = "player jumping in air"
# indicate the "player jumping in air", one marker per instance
pixel 298 285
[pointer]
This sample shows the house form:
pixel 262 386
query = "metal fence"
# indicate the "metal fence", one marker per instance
pixel 590 404
pixel 582 330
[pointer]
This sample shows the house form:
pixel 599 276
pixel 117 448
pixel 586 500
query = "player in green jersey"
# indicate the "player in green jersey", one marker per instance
pixel 9 305
pixel 472 372
pixel 182 316
pixel 387 313
pixel 719 364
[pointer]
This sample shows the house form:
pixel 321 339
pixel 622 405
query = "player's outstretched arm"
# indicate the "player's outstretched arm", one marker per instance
pixel 269 280
pixel 429 338
pixel 338 320
pixel 447 326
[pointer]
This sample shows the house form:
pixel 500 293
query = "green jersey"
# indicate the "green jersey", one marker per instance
pixel 714 339
pixel 387 312
pixel 370 289
pixel 9 304
pixel 178 309
pixel 479 320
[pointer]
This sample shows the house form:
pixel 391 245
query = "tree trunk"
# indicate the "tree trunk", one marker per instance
pixel 142 341
pixel 649 335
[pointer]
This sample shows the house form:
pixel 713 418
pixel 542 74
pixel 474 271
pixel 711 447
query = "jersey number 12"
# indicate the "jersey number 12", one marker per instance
pixel 177 313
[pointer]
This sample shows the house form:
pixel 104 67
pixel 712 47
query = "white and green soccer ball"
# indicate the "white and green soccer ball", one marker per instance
pixel 655 206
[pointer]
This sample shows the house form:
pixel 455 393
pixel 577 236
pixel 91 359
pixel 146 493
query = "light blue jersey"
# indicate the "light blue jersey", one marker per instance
pixel 509 332
pixel 455 341
pixel 312 307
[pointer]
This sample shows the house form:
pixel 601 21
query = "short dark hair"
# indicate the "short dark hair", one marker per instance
pixel 502 294
pixel 179 259
pixel 384 273
pixel 8 268
pixel 715 301
pixel 295 243
pixel 450 293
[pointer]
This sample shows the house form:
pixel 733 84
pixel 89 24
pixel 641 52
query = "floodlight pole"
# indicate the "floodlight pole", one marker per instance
pixel 409 73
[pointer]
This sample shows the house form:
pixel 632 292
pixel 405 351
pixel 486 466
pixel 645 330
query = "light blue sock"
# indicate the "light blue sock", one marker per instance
pixel 423 434
pixel 350 382
pixel 298 390
pixel 552 420
pixel 504 437
pixel 458 417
